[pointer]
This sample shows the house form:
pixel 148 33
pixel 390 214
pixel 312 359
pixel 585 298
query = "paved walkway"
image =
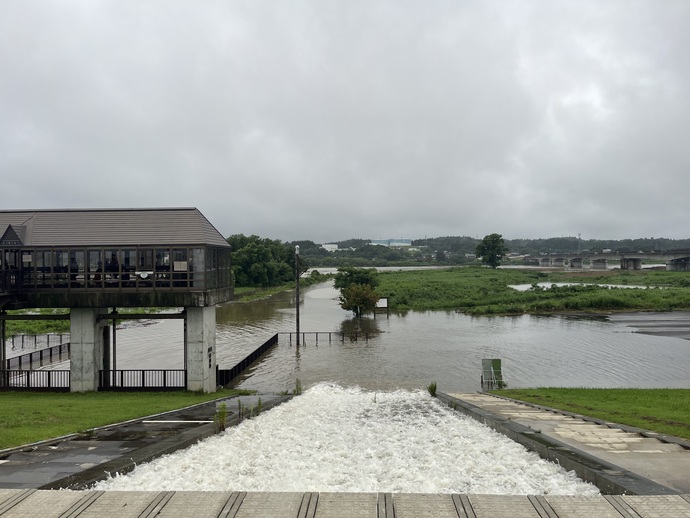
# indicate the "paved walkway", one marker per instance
pixel 23 503
pixel 606 454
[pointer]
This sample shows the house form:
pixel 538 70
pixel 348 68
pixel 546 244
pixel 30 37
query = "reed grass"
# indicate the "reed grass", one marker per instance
pixel 484 291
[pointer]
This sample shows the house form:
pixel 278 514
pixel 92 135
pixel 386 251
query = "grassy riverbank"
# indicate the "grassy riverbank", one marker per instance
pixel 660 410
pixel 27 417
pixel 485 291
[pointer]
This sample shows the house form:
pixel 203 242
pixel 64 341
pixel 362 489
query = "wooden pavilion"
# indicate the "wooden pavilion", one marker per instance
pixel 90 260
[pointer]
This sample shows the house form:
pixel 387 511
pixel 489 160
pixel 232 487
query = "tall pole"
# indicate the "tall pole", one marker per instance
pixel 3 352
pixel 297 290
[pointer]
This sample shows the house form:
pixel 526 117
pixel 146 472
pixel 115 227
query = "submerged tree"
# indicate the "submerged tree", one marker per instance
pixel 357 293
pixel 347 276
pixel 492 249
pixel 359 298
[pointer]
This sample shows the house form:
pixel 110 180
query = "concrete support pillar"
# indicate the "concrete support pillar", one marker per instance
pixel 678 265
pixel 201 349
pixel 631 263
pixel 86 348
pixel 599 264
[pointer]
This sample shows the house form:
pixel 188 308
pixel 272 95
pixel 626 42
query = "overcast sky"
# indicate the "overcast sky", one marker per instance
pixel 326 120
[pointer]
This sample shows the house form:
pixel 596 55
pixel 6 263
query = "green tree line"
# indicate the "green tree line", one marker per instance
pixel 262 262
pixel 460 250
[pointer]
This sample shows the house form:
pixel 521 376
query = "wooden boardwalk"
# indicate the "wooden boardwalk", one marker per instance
pixel 31 502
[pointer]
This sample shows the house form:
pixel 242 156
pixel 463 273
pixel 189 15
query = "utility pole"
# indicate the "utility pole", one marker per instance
pixel 297 290
pixel 3 352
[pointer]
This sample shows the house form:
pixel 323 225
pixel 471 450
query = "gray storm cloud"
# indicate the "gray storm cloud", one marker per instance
pixel 326 120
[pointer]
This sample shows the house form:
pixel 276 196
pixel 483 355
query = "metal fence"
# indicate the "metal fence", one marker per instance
pixel 225 376
pixel 138 380
pixel 49 381
pixel 38 359
pixel 26 342
pixel 327 336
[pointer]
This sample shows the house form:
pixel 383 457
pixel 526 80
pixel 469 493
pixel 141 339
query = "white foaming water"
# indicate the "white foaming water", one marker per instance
pixel 350 440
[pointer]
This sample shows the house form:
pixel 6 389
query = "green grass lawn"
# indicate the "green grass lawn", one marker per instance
pixel 660 410
pixel 27 417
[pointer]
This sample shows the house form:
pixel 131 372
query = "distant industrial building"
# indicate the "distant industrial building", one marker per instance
pixel 330 247
pixel 392 242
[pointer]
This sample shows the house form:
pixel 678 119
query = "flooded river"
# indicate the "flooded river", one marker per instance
pixel 411 350
pixel 365 422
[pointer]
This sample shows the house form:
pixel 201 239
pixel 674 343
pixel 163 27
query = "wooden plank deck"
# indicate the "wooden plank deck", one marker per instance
pixel 202 504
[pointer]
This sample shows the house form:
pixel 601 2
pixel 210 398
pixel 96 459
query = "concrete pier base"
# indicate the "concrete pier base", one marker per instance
pixel 200 343
pixel 86 348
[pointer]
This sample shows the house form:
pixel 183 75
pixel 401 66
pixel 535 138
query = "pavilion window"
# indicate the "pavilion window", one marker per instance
pixel 129 264
pixel 95 267
pixel 180 267
pixel 76 266
pixel 162 267
pixel 162 259
pixel 27 258
pixel 198 266
pixel 60 266
pixel 145 260
pixel 43 262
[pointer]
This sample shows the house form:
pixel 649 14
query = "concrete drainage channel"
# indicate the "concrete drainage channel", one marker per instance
pixel 79 461
pixel 609 478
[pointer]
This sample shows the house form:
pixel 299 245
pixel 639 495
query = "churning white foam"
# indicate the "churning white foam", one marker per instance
pixel 350 440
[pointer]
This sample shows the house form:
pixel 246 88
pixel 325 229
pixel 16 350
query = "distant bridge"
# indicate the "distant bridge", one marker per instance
pixel 675 260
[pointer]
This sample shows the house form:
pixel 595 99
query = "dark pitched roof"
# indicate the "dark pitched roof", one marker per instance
pixel 111 227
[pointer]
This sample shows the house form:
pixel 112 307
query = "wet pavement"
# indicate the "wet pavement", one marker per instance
pixel 78 461
pixel 617 459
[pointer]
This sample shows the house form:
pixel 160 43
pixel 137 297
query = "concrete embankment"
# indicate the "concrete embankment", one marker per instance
pixel 617 459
